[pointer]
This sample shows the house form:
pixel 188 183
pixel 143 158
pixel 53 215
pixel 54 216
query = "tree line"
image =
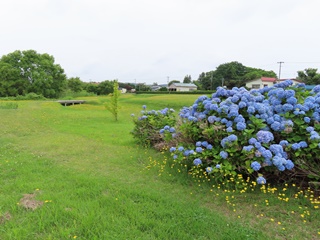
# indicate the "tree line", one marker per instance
pixel 23 72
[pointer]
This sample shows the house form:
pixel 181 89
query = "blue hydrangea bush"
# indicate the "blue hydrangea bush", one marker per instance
pixel 271 134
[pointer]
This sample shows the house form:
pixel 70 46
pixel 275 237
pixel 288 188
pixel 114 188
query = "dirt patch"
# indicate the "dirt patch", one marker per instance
pixel 29 202
pixel 5 217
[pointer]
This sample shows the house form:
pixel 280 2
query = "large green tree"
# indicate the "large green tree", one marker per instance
pixel 27 71
pixel 309 76
pixel 232 74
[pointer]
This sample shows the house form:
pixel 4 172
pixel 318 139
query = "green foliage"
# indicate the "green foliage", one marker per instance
pixel 187 79
pixel 75 84
pixel 113 105
pixel 31 96
pixel 8 105
pixel 232 74
pixel 147 126
pixel 309 76
pixel 23 72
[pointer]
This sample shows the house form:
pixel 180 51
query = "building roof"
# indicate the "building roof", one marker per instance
pixel 184 84
pixel 268 79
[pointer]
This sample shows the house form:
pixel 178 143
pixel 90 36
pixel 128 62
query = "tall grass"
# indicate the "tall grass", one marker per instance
pixel 91 181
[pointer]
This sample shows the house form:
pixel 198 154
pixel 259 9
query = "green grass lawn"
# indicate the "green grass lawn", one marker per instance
pixel 85 178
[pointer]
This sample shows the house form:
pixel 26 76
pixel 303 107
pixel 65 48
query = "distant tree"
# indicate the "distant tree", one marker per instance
pixel 91 87
pixel 173 81
pixel 75 84
pixel 187 79
pixel 105 87
pixel 255 73
pixel 28 71
pixel 309 76
pixel 208 81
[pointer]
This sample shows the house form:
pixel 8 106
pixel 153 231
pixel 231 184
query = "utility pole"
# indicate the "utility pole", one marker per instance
pixel 279 70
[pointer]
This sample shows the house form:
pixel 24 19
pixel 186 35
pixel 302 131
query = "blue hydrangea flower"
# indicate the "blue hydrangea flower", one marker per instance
pixel 307 119
pixel 172 130
pixel 284 143
pixel 310 129
pixel 204 143
pixel 209 169
pixel 180 149
pixel 175 156
pixel 261 180
pixel 252 141
pixel 255 166
pixel 198 144
pixel 166 127
pixel 247 148
pixel 199 149
pixel 264 136
pixel 172 149
pixel 209 147
pixel 241 126
pixel 186 153
pixel 197 161
pixel 218 166
pixel 229 129
pixel 295 146
pixel 144 106
pixel 303 144
pixel 289 164
pixel 223 154
pixel 161 131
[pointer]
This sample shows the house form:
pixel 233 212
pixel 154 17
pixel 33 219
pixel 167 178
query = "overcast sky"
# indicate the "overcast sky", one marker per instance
pixel 151 40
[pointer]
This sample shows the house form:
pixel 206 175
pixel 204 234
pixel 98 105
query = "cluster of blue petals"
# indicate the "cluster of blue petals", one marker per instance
pixel 270 104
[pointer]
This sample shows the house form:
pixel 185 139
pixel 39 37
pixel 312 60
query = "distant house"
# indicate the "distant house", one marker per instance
pixel 267 82
pixel 182 87
pixel 261 83
pixel 123 90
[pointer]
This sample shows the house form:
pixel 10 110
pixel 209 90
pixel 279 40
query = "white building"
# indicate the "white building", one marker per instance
pixel 182 87
pixel 261 83
pixel 267 82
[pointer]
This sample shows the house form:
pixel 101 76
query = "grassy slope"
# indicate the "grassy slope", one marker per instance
pixel 88 171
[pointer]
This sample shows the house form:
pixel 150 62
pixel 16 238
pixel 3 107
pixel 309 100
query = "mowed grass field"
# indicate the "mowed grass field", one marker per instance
pixel 75 173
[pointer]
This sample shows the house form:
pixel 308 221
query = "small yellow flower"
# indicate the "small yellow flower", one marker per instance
pixel 271 219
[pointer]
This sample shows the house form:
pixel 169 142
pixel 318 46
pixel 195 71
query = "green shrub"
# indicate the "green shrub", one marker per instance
pixel 147 127
pixel 8 105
